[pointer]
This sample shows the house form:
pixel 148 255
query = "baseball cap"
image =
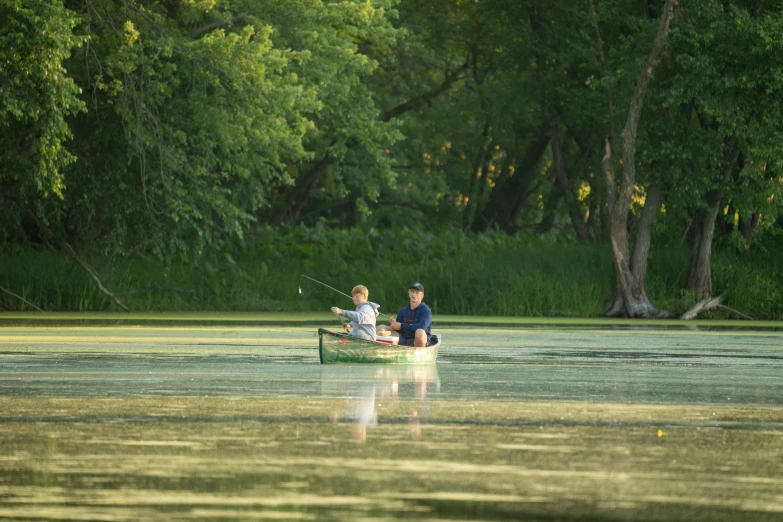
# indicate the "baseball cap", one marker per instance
pixel 417 286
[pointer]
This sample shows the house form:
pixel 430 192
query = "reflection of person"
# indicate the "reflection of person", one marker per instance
pixel 414 322
pixel 362 405
pixel 361 410
pixel 414 425
pixel 364 413
pixel 363 319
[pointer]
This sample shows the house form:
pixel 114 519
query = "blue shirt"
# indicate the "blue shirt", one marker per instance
pixel 412 320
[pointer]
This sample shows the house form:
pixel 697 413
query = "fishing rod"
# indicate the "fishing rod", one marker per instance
pixel 339 317
pixel 339 292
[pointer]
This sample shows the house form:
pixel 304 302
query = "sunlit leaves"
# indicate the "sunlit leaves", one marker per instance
pixel 720 90
pixel 217 106
pixel 36 95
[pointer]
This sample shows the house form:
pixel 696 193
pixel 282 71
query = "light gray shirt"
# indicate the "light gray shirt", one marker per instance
pixel 363 320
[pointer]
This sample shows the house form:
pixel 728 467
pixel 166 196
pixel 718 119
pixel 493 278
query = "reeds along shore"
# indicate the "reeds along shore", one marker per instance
pixel 490 274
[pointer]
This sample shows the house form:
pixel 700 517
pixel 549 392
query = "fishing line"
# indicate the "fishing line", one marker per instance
pixel 339 292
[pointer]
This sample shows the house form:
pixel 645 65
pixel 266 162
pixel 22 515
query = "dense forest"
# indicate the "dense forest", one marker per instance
pixel 206 132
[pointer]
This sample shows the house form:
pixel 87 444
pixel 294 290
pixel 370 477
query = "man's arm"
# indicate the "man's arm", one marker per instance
pixel 395 323
pixel 424 322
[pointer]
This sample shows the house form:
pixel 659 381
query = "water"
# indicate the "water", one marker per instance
pixel 538 423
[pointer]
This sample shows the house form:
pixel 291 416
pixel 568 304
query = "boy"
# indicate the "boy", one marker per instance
pixel 363 319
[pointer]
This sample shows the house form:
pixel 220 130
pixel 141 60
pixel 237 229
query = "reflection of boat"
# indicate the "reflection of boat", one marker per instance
pixel 348 380
pixel 341 348
pixel 366 391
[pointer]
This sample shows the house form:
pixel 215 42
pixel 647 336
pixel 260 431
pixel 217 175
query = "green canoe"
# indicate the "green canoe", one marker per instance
pixel 341 348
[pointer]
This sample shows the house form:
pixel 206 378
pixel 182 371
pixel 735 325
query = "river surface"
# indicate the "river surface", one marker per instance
pixel 221 422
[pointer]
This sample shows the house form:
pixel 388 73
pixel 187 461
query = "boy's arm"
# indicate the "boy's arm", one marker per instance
pixel 353 316
pixel 366 316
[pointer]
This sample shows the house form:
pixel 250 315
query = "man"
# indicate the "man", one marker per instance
pixel 414 322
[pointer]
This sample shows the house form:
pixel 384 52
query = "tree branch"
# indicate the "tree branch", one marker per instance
pixel 600 44
pixel 611 184
pixel 701 306
pixel 20 298
pixel 735 311
pixel 197 32
pixel 428 97
pixel 94 276
pixel 314 176
pixel 635 111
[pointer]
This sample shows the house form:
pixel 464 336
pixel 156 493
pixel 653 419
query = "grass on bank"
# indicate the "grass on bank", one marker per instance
pixel 487 275
pixel 327 320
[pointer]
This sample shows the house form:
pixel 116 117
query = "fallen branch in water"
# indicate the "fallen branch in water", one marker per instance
pixel 20 298
pixel 93 275
pixel 735 311
pixel 706 304
pixel 701 306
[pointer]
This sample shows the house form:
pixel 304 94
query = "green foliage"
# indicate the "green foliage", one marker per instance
pixel 184 131
pixel 719 90
pixel 36 97
pixel 348 129
pixel 36 94
pixel 199 115
pixel 210 118
pixel 465 274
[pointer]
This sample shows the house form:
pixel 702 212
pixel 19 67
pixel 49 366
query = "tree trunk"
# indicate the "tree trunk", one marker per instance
pixel 638 265
pixel 550 210
pixel 630 299
pixel 641 245
pixel 482 189
pixel 700 271
pixel 594 222
pixel 746 228
pixel 758 9
pixel 558 163
pixel 478 176
pixel 508 195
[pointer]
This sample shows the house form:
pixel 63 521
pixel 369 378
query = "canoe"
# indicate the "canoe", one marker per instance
pixel 334 347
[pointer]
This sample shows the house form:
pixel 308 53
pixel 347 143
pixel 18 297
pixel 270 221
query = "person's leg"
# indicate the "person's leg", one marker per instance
pixel 420 340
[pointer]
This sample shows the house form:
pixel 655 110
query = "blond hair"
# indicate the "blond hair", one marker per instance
pixel 360 289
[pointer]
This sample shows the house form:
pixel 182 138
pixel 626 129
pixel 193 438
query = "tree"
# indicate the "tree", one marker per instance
pixel 36 98
pixel 201 115
pixel 732 92
pixel 630 298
